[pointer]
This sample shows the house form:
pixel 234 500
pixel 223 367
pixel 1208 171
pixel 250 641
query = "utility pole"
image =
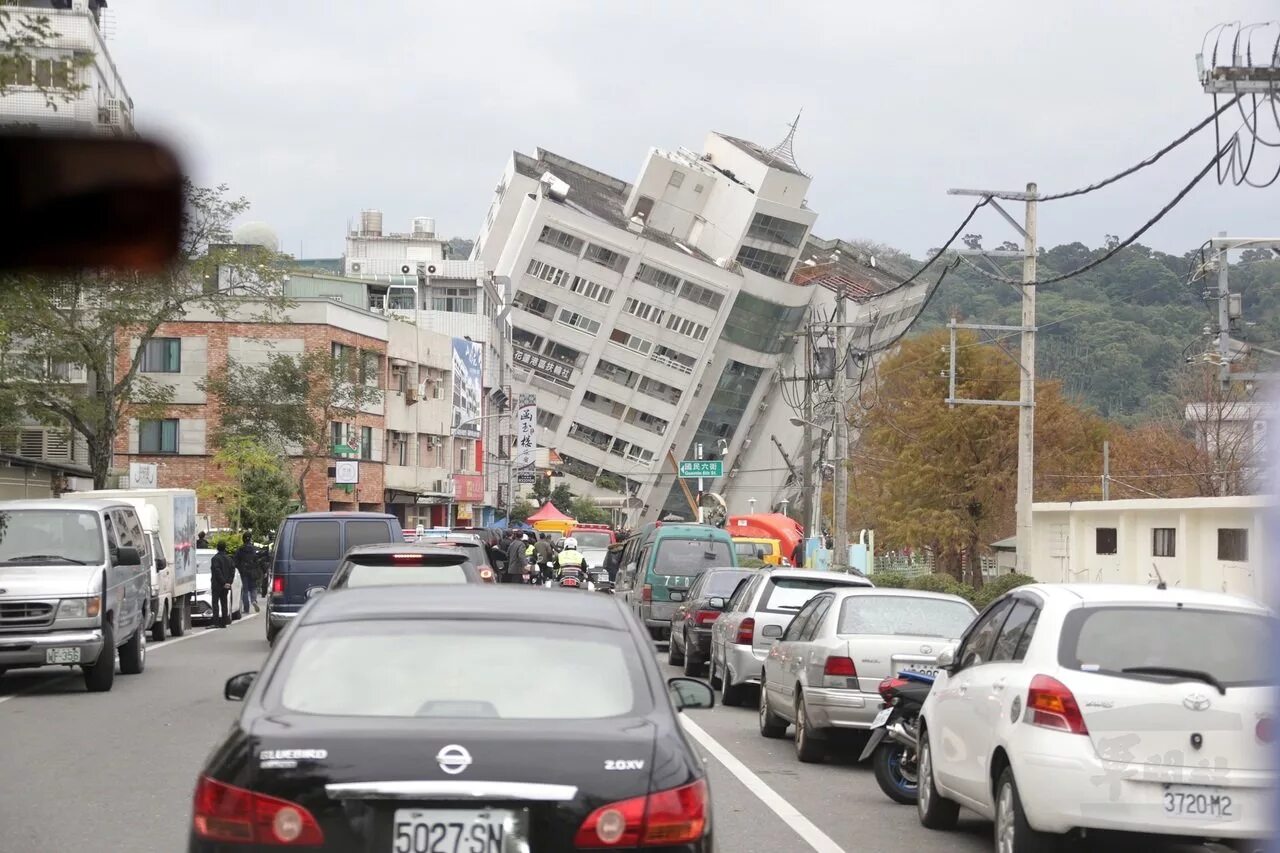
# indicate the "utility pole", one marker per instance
pixel 840 497
pixel 697 454
pixel 1106 470
pixel 807 473
pixel 1026 357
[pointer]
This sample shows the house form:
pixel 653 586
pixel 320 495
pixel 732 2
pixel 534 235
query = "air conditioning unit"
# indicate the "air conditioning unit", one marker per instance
pixel 405 269
pixel 411 395
pixel 355 266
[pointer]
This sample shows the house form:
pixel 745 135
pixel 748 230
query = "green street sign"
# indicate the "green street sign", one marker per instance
pixel 694 468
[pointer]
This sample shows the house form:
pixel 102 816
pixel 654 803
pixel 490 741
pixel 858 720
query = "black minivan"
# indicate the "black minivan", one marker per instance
pixel 308 548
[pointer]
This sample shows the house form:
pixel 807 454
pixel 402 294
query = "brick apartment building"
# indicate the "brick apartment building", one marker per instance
pixel 409 424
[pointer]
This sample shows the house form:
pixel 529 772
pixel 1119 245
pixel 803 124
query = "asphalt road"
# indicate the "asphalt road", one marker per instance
pixel 114 772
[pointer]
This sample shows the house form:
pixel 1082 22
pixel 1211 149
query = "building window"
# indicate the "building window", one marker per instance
pixel 1233 544
pixel 158 436
pixel 766 263
pixel 340 434
pixel 578 321
pixel 677 179
pixel 548 420
pixel 457 300
pixel 697 188
pixel 366 443
pixel 615 373
pixel 615 261
pixel 369 368
pixel 762 325
pixel 588 288
pixel 162 355
pixel 659 279
pixel 561 240
pixel 644 310
pixel 535 305
pixel 564 354
pixel 776 230
pixel 673 358
pixel 659 390
pixel 688 328
pixel 526 339
pixel 590 435
pixel 1104 540
pixel 701 295
pixel 1163 542
pixel 547 273
pixel 46 73
pixel 630 341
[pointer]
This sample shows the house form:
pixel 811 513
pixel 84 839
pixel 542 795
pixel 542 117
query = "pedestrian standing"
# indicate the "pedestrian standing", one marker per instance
pixel 247 566
pixel 515 560
pixel 222 572
pixel 202 540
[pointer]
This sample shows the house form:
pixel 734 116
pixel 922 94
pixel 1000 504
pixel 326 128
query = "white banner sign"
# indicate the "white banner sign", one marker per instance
pixel 346 472
pixel 526 432
pixel 142 475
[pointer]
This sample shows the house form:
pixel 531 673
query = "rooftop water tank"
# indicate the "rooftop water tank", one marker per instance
pixel 371 223
pixel 424 226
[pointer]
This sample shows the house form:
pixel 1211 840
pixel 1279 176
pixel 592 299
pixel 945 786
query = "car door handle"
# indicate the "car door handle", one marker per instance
pixel 998 686
pixel 962 688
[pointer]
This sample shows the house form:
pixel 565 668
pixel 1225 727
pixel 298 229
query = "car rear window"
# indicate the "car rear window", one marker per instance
pixel 723 583
pixel 787 595
pixel 384 572
pixel 904 615
pixel 750 549
pixel 370 533
pixel 1227 645
pixel 591 540
pixel 473 669
pixel 690 556
pixel 316 540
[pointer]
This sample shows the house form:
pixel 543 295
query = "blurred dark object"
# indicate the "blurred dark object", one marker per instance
pixel 75 203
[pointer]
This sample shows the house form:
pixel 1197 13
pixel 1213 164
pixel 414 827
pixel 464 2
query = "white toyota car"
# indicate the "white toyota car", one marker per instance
pixel 1078 708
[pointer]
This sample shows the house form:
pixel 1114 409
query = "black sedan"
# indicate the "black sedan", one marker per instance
pixel 401 563
pixel 457 718
pixel 693 617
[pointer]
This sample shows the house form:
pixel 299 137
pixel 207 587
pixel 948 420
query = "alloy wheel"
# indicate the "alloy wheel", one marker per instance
pixel 924 773
pixel 1006 820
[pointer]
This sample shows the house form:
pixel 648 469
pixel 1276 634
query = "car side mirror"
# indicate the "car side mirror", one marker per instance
pixel 947 658
pixel 690 693
pixel 127 556
pixel 676 596
pixel 237 686
pixel 161 564
pixel 771 631
pixel 717 603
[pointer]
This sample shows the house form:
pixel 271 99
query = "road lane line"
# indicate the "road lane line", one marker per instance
pixel 790 815
pixel 172 641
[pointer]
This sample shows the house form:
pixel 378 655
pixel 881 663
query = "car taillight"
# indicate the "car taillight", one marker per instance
pixel 224 812
pixel 888 685
pixel 277 585
pixel 677 816
pixel 1051 705
pixel 486 575
pixel 406 558
pixel 1266 729
pixel 706 617
pixel 840 666
pixel 746 632
pixel 646 593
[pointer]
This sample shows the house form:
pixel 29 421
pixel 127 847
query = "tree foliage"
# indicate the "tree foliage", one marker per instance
pixel 288 403
pixel 256 491
pixel 586 511
pixel 520 512
pixel 54 323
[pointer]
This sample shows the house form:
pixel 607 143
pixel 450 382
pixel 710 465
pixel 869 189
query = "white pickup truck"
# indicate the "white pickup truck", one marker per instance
pixel 168 519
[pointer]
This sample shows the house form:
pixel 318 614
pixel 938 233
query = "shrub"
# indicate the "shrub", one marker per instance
pixel 998 586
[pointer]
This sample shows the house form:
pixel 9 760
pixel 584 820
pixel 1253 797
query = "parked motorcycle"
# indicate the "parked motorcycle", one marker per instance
pixel 895 735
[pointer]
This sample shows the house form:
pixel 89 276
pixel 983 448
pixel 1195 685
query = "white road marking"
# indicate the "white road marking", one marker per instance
pixel 790 815
pixel 172 641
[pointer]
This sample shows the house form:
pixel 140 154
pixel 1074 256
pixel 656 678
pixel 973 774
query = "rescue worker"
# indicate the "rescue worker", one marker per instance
pixel 570 558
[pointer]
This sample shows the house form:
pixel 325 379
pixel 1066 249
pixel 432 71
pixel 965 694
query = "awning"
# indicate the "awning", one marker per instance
pixel 399 496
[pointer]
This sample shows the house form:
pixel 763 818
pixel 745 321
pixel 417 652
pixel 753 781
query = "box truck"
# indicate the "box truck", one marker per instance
pixel 168 519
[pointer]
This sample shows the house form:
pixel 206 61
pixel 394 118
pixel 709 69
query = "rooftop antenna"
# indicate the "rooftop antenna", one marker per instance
pixel 784 151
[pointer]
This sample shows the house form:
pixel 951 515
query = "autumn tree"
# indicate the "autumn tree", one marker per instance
pixel 56 324
pixel 945 478
pixel 287 403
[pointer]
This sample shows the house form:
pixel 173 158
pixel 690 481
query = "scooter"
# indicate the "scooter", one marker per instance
pixel 571 578
pixel 895 735
pixel 600 580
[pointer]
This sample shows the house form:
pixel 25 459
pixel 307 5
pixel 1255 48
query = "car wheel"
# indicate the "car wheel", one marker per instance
pixel 180 618
pixel 133 654
pixel 675 658
pixel 692 665
pixel 160 628
pixel 731 694
pixel 101 674
pixel 809 749
pixel 934 810
pixel 771 725
pixel 1013 833
pixel 713 676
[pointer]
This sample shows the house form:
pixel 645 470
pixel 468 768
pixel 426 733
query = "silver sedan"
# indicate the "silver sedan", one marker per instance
pixel 823 672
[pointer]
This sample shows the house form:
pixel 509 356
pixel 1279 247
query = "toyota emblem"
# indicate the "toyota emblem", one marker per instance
pixel 926 650
pixel 453 759
pixel 1196 702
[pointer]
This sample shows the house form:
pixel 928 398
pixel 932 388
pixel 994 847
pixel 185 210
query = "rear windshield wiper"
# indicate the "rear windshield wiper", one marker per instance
pixel 38 557
pixel 1177 672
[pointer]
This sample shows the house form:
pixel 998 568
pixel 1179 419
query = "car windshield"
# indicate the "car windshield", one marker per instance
pixel 592 540
pixel 904 615
pixel 787 595
pixel 723 583
pixel 473 669
pixel 689 556
pixel 359 574
pixel 1226 645
pixel 50 537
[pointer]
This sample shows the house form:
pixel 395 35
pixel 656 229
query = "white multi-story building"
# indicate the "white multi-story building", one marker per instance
pixel 70 83
pixel 656 317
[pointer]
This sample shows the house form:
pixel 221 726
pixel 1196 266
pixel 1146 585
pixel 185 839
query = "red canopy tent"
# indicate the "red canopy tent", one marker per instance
pixel 550 518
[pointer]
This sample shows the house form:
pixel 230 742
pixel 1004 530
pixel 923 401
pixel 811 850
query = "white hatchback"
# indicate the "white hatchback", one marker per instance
pixel 1075 707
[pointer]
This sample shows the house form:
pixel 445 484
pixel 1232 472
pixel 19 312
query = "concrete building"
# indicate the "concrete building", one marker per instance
pixel 1215 544
pixel 654 317
pixel 75 63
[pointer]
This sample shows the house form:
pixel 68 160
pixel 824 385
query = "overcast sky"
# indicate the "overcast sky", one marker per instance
pixel 314 110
